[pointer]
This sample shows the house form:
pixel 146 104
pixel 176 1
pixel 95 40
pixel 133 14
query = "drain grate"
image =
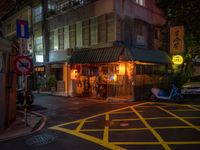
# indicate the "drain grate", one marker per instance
pixel 39 140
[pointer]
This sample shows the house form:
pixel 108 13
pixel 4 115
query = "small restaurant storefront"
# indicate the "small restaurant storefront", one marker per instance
pixel 115 73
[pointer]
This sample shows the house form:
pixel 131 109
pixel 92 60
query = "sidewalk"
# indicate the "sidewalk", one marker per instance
pixel 18 128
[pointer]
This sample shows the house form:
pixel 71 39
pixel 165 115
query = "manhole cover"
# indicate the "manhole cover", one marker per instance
pixel 39 140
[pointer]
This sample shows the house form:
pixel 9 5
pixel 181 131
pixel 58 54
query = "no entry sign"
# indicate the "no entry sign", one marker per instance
pixel 23 65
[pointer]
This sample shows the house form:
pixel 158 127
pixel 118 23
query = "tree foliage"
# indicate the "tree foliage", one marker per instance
pixel 187 13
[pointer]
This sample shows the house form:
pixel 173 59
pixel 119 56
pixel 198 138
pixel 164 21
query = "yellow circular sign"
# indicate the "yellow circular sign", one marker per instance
pixel 177 59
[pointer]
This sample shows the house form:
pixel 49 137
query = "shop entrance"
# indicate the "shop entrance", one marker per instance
pixel 112 81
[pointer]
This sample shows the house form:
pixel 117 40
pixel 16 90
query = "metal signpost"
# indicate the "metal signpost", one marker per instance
pixel 23 64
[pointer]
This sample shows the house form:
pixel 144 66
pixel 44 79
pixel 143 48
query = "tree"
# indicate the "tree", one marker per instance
pixel 186 13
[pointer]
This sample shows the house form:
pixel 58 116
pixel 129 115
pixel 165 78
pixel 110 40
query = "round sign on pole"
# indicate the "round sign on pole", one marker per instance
pixel 23 65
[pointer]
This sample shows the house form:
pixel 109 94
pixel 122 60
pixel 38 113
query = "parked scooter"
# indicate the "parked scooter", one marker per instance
pixel 159 94
pixel 20 97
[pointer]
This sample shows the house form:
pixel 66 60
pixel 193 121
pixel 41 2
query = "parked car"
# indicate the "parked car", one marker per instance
pixel 29 97
pixel 192 87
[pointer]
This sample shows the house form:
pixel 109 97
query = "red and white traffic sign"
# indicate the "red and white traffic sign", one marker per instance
pixel 23 65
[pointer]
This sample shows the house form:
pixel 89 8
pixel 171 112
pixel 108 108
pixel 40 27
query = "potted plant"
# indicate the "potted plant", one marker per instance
pixel 51 83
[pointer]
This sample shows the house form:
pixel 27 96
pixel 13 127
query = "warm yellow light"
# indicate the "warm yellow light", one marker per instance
pixel 115 77
pixel 177 59
pixel 121 69
pixel 74 74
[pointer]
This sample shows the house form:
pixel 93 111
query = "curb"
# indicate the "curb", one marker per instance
pixel 34 130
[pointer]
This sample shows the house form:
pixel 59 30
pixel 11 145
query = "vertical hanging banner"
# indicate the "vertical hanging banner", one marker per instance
pixel 177 40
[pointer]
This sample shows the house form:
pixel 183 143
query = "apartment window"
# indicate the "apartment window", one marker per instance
pixel 61 38
pixel 66 37
pixel 139 29
pixel 55 40
pixel 79 34
pixel 51 40
pixel 157 34
pixel 37 14
pixel 51 6
pixel 93 31
pixel 102 29
pixel 110 27
pixel 72 35
pixel 140 2
pixel 39 45
pixel 86 32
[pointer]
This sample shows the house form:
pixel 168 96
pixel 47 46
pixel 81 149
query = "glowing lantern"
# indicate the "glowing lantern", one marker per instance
pixel 121 69
pixel 74 74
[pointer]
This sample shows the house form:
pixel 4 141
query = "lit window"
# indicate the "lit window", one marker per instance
pixel 140 2
pixel 37 14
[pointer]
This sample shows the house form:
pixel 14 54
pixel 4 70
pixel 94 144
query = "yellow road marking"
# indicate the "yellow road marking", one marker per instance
pixel 80 125
pixel 180 118
pixel 101 114
pixel 156 143
pixel 173 127
pixel 89 138
pixel 125 119
pixel 158 137
pixel 105 134
pixel 135 143
pixel 182 110
pixel 194 108
pixel 184 142
pixel 122 112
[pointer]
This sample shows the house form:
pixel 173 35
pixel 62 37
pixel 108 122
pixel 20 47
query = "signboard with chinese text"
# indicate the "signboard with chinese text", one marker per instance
pixel 176 40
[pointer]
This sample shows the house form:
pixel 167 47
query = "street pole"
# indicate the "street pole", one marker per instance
pixel 24 95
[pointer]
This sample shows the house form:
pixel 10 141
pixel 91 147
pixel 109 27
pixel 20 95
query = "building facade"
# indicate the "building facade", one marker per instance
pixel 101 48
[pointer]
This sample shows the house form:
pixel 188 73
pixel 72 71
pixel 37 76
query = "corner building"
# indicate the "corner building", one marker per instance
pixel 105 48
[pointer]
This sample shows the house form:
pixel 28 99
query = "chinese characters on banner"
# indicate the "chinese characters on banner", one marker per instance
pixel 176 40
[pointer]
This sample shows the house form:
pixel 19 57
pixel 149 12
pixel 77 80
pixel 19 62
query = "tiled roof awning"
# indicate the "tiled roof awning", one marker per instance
pixel 151 56
pixel 97 55
pixel 114 54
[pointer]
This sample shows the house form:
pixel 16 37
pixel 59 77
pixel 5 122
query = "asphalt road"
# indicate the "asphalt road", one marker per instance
pixel 84 124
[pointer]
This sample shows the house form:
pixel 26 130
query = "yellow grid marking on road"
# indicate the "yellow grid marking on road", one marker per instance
pixel 80 125
pixel 179 118
pixel 173 127
pixel 89 138
pixel 182 110
pixel 183 143
pixel 157 143
pixel 158 137
pixel 98 115
pixel 136 143
pixel 106 132
pixel 115 145
pixel 194 108
pixel 121 112
pixel 125 119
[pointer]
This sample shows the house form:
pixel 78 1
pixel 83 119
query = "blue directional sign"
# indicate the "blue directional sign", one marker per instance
pixel 22 29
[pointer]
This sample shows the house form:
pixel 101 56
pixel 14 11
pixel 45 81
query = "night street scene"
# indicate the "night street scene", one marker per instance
pixel 99 74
